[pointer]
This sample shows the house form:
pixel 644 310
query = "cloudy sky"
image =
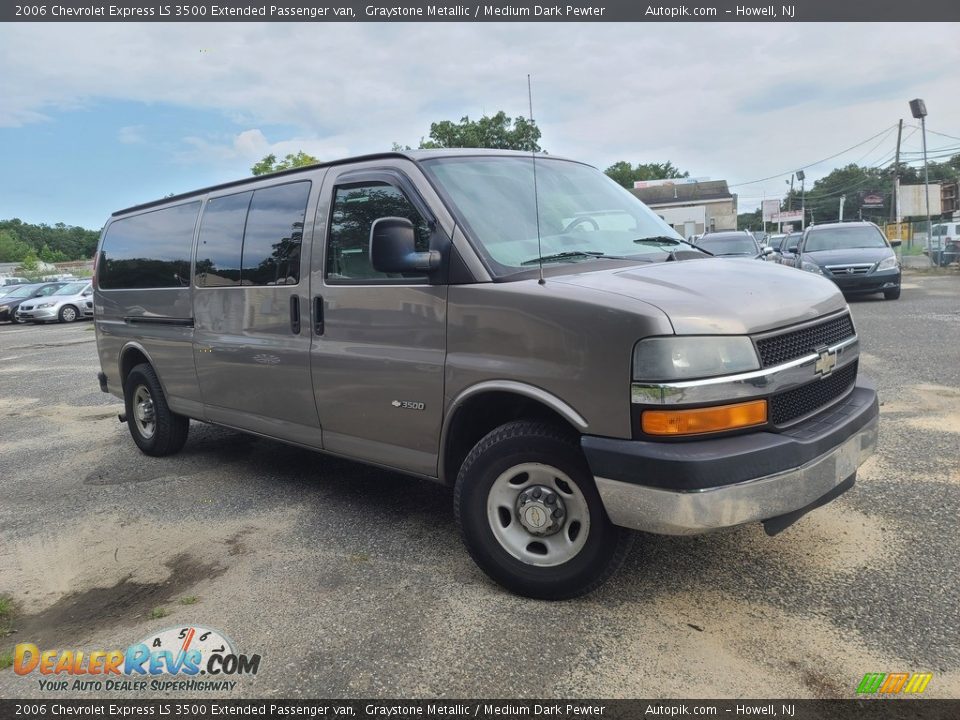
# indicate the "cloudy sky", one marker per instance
pixel 96 117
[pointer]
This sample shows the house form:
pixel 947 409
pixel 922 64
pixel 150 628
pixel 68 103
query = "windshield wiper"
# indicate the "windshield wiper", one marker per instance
pixel 564 256
pixel 661 240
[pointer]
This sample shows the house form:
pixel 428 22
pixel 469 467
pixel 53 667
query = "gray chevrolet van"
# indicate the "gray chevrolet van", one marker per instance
pixel 525 331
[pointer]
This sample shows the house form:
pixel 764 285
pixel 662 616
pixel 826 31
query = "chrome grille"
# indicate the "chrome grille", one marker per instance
pixel 854 269
pixel 778 349
pixel 807 399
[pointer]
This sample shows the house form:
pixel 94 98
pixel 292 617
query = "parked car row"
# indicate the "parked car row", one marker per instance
pixel 46 302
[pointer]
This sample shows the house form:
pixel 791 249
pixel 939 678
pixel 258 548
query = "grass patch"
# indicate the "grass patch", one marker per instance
pixel 158 612
pixel 189 600
pixel 6 659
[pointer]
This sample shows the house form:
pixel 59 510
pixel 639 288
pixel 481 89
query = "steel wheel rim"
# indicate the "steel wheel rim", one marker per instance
pixel 538 550
pixel 143 412
pixel 69 314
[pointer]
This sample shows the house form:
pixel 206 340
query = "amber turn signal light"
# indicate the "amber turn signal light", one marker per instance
pixel 704 420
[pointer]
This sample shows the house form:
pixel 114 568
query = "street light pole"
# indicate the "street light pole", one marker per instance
pixel 918 108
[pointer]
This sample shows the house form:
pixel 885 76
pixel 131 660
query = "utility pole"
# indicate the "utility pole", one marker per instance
pixel 843 199
pixel 894 199
pixel 918 108
pixel 790 196
pixel 801 176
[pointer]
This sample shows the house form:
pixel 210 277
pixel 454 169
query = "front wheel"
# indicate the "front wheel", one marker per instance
pixel 891 294
pixel 68 313
pixel 155 428
pixel 530 514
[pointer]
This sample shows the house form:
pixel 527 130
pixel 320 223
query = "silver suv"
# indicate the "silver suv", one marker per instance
pixel 523 330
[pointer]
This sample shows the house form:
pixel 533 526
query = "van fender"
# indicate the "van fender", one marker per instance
pixel 509 386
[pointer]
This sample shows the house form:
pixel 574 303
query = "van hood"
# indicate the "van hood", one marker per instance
pixel 719 296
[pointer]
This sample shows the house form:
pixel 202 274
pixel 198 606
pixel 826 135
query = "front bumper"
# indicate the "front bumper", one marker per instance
pixel 37 315
pixel 870 283
pixel 695 487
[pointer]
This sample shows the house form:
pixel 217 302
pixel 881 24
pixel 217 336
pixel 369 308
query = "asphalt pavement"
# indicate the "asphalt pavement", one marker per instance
pixel 350 581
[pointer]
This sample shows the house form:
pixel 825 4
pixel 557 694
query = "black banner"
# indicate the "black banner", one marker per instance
pixel 442 709
pixel 490 11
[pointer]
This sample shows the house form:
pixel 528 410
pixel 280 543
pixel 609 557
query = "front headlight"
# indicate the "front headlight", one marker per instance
pixel 45 305
pixel 811 267
pixel 888 263
pixel 685 358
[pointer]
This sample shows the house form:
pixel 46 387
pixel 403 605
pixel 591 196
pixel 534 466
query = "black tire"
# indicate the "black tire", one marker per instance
pixel 169 430
pixel 891 294
pixel 68 314
pixel 15 320
pixel 494 457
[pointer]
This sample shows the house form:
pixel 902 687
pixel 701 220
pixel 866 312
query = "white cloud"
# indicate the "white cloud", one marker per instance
pixel 734 101
pixel 131 134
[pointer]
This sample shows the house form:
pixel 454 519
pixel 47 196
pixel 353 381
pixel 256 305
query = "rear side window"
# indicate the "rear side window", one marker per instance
pixel 221 240
pixel 253 238
pixel 271 243
pixel 151 250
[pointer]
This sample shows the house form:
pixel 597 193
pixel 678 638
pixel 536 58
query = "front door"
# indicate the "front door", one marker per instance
pixel 379 341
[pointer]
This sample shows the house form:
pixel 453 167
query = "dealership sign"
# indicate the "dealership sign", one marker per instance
pixel 787 216
pixel 872 200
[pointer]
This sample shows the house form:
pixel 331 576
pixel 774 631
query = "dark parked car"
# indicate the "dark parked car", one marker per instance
pixel 9 303
pixel 856 255
pixel 733 243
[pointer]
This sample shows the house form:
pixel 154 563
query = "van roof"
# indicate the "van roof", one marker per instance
pixel 414 155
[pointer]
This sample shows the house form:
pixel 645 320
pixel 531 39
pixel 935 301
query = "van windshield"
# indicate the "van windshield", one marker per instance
pixel 583 214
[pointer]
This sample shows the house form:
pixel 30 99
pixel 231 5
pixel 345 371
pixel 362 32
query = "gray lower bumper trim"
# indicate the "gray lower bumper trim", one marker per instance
pixel 667 512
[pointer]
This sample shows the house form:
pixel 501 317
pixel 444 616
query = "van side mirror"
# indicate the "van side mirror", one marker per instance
pixel 896 243
pixel 393 248
pixel 766 250
pixel 793 249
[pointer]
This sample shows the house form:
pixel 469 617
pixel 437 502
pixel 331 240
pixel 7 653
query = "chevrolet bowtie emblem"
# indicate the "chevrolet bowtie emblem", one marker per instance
pixel 826 362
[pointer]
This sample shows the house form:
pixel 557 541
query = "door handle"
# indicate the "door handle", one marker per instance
pixel 318 315
pixel 295 314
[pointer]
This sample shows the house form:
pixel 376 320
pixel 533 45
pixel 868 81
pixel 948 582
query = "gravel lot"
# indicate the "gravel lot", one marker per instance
pixel 352 582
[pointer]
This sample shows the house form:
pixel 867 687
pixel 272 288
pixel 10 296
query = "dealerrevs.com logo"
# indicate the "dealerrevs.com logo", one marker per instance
pixel 175 659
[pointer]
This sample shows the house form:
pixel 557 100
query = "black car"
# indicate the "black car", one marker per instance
pixel 733 243
pixel 856 255
pixel 10 302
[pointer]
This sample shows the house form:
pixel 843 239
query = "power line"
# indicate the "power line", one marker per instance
pixel 805 167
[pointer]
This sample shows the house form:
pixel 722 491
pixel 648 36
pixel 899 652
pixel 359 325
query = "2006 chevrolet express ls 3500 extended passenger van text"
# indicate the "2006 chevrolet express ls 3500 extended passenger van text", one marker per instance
pixel 389 308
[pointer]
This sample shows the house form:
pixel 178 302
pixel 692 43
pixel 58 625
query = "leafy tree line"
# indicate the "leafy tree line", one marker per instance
pixel 498 131
pixel 20 241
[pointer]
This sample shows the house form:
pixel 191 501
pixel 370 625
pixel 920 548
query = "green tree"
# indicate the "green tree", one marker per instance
pixel 498 131
pixel 30 265
pixel 750 221
pixel 73 243
pixel 623 173
pixel 11 248
pixel 270 164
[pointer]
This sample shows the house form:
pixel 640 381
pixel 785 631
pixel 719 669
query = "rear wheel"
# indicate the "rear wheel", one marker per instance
pixel 68 313
pixel 154 427
pixel 530 514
